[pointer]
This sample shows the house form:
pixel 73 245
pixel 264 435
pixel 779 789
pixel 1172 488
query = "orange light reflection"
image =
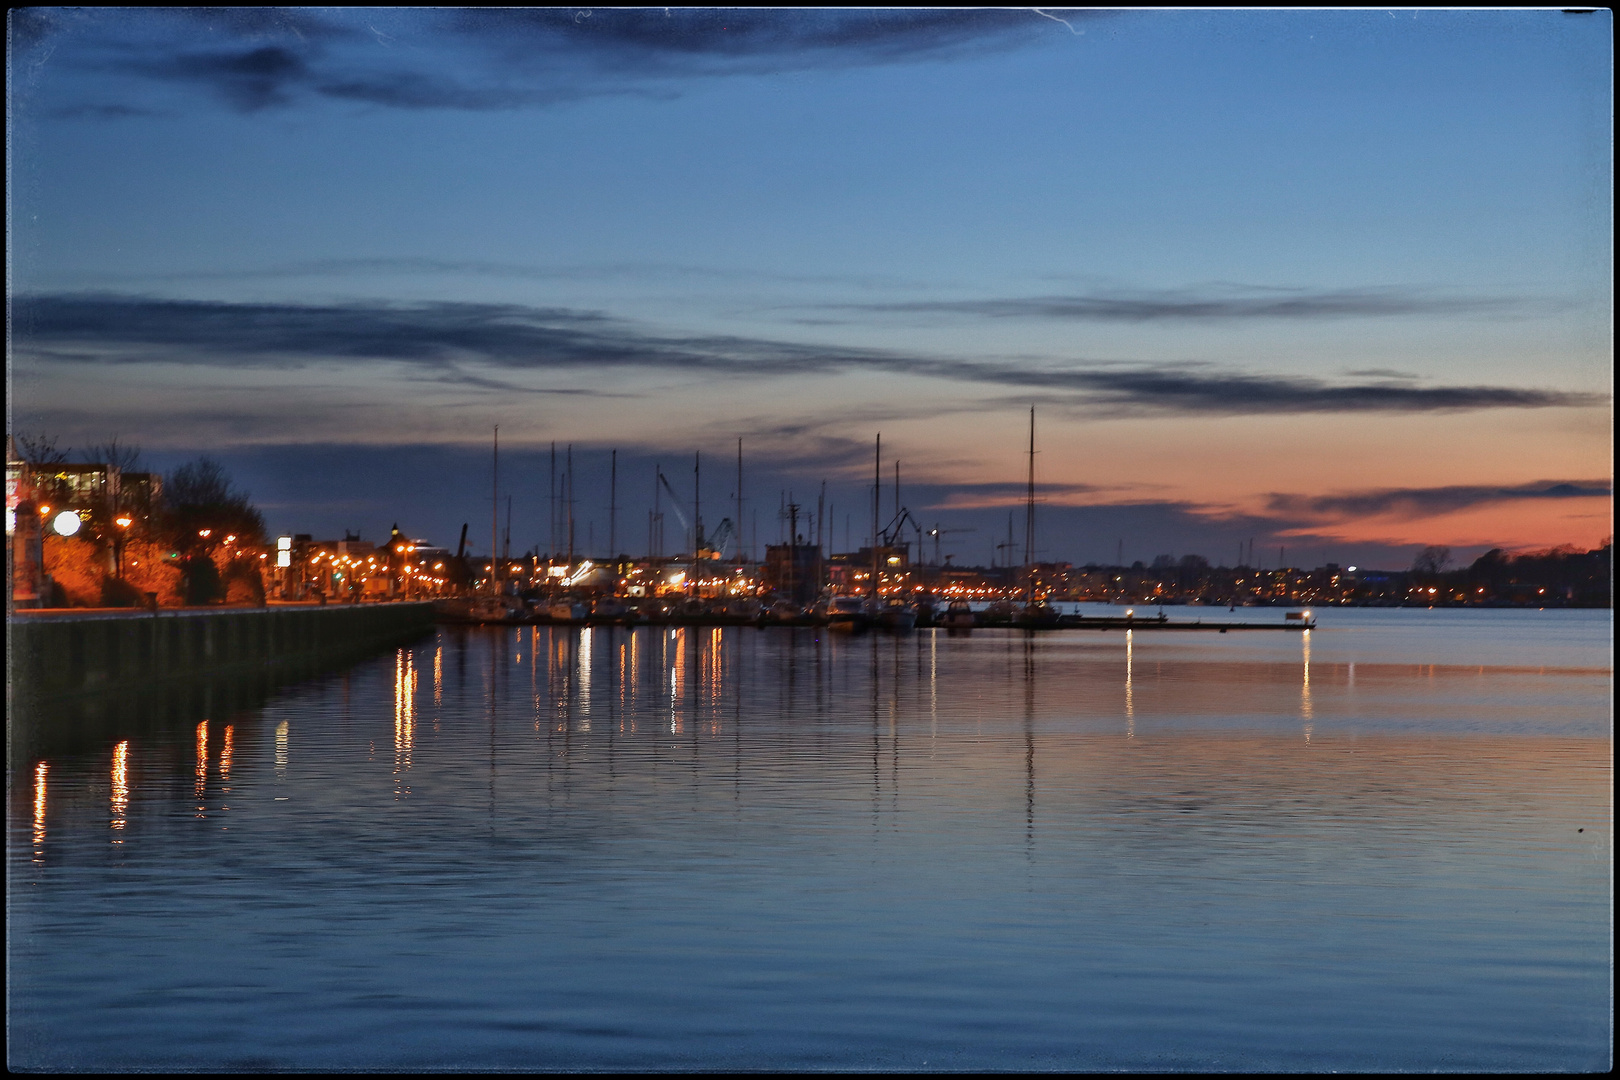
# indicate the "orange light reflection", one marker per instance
pixel 120 786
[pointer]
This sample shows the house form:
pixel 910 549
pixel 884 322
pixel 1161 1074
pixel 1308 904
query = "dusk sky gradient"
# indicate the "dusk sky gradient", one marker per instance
pixel 1335 281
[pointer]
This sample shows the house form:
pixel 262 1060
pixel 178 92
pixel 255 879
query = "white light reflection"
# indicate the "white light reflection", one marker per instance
pixel 438 676
pixel 281 750
pixel 1130 700
pixel 677 680
pixel 584 674
pixel 120 786
pixel 1306 710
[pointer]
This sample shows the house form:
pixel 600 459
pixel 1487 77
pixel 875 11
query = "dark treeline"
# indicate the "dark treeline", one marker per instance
pixel 1564 575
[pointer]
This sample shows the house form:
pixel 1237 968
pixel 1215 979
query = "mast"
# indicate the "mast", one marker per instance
pixel 821 512
pixel 613 506
pixel 739 526
pixel 793 544
pixel 495 511
pixel 1029 512
pixel 570 484
pixel 655 524
pixel 877 493
pixel 551 552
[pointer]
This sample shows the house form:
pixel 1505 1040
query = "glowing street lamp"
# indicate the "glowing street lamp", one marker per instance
pixel 66 523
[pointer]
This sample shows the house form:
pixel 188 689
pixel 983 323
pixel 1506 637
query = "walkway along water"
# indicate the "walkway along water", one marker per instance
pixel 75 678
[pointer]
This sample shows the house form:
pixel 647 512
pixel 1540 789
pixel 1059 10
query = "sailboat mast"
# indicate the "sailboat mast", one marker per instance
pixel 737 528
pixel 877 493
pixel 613 505
pixel 1029 512
pixel 494 510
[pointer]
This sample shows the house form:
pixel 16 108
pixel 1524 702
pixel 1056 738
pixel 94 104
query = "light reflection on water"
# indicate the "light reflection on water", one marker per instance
pixel 695 846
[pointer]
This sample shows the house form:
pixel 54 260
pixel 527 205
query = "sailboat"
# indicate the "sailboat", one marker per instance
pixel 1036 612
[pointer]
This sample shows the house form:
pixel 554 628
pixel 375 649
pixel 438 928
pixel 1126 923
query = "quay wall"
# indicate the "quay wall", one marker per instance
pixel 78 677
pixel 72 653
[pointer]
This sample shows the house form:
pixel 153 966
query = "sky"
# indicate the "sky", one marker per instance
pixel 1336 285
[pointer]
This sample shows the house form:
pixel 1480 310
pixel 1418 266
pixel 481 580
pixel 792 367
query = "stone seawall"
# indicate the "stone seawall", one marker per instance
pixel 77 675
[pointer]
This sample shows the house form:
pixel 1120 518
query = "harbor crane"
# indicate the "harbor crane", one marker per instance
pixel 700 543
pixel 890 536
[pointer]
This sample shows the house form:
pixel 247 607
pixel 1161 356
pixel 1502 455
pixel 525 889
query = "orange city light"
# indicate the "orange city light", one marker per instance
pixel 125 522
pixel 205 533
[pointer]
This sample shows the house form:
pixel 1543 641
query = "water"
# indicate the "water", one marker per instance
pixel 1384 845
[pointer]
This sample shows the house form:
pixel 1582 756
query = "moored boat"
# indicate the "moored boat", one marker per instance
pixel 846 614
pixel 897 615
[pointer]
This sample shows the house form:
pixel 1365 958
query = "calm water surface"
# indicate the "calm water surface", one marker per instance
pixel 1382 845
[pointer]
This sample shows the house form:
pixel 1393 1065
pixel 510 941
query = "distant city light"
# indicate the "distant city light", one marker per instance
pixel 66 523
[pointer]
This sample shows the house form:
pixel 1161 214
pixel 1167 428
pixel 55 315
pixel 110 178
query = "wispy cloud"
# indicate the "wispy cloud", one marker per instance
pixel 1408 503
pixel 447 339
pixel 257 59
pixel 1213 304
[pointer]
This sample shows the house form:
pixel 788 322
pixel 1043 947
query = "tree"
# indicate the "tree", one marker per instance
pixel 76 568
pixel 148 568
pixel 39 448
pixel 200 497
pixel 1432 560
pixel 126 458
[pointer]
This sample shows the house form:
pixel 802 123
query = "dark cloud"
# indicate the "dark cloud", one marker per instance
pixel 249 79
pixel 254 59
pixel 445 338
pixel 1211 304
pixel 679 38
pixel 1422 502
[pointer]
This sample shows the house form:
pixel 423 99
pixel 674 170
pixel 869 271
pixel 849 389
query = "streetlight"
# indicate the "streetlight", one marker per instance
pixel 124 521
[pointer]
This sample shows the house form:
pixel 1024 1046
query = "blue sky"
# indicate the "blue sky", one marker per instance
pixel 1336 280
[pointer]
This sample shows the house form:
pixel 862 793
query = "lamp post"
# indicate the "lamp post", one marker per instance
pixel 124 521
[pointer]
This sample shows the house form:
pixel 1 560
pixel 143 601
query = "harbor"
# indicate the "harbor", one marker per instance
pixel 915 615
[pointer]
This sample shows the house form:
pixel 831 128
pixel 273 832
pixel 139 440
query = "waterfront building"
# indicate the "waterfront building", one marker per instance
pixel 794 572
